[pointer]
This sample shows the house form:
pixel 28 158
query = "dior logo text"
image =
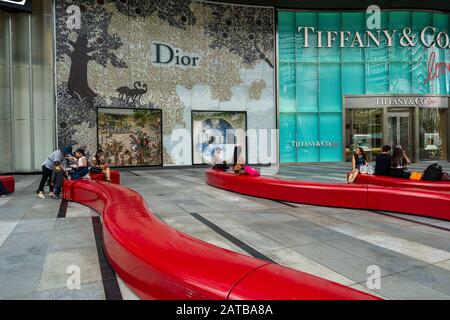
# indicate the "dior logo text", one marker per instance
pixel 164 54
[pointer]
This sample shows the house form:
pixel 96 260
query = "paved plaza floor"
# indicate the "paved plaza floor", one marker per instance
pixel 42 240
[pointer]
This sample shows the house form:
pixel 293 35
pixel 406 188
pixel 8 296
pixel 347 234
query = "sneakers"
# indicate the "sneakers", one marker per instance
pixel 41 195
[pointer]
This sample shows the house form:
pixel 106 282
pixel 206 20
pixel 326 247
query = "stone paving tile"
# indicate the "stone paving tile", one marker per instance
pixel 399 287
pixel 315 231
pixel 21 260
pixel 75 210
pixel 35 225
pixel 186 224
pixel 88 291
pixel 282 233
pixel 431 276
pixel 387 259
pixel 6 228
pixel 54 274
pixel 294 260
pixel 72 238
pixel 346 264
pixel 73 223
pixel 252 238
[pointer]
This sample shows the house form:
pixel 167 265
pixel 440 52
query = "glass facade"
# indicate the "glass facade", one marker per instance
pixel 313 80
pixel 27 94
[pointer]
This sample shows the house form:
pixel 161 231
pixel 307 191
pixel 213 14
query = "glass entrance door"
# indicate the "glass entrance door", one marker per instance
pixel 399 131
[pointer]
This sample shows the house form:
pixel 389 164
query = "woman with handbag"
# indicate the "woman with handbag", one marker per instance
pixel 359 160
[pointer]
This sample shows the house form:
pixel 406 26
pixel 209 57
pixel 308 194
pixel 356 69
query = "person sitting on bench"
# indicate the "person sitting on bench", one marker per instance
pixel 383 162
pixel 399 162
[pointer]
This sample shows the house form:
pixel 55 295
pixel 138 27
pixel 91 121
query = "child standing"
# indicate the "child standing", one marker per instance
pixel 58 177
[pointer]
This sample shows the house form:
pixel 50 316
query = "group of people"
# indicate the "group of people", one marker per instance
pixel 386 164
pixel 63 164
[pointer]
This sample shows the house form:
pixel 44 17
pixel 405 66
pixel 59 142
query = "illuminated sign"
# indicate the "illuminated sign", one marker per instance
pixel 319 143
pixel 428 37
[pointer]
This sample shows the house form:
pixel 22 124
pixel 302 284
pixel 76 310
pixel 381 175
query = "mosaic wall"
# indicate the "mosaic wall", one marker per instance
pixel 176 55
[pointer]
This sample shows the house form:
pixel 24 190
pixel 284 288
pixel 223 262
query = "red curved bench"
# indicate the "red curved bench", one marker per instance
pixel 403 183
pixel 432 204
pixel 159 262
pixel 9 183
pixel 115 176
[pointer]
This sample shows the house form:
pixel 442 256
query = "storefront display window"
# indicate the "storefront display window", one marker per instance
pixel 218 132
pixel 363 129
pixel 130 137
pixel 433 126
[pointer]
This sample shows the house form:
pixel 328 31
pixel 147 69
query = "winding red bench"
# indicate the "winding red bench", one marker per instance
pixel 115 176
pixel 434 204
pixel 159 262
pixel 403 183
pixel 9 183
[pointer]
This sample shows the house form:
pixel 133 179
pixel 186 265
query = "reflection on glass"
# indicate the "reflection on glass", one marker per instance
pixel 363 128
pixel 433 134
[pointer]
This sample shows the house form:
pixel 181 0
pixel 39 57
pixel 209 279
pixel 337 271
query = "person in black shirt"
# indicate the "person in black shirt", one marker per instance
pixel 383 162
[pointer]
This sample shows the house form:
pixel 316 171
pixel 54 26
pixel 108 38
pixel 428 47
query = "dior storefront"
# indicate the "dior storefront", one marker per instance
pixel 152 83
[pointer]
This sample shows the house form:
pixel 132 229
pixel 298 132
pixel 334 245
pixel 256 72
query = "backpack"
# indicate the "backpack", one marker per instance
pixel 433 173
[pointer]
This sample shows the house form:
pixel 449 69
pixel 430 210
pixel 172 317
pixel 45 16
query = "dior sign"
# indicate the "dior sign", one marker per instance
pixel 164 54
pixel 16 5
pixel 428 37
pixel 318 143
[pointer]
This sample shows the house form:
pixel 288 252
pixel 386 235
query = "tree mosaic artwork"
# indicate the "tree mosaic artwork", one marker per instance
pixel 107 60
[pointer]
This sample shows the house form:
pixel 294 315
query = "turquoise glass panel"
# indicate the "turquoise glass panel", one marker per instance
pixel 286 36
pixel 287 86
pixel 352 22
pixel 330 124
pixel 306 54
pixel 330 98
pixel 329 22
pixel 307 87
pixel 353 78
pixel 307 131
pixel 288 134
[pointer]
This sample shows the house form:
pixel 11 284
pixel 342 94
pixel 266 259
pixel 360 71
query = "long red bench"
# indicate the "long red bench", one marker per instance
pixel 115 176
pixel 159 262
pixel 403 183
pixel 432 204
pixel 9 183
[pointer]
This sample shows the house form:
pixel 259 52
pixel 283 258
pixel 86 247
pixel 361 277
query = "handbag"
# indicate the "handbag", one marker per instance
pixel 416 175
pixel 366 169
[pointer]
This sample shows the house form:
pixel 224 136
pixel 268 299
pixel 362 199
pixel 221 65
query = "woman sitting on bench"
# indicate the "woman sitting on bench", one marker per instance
pixel 399 162
pixel 99 165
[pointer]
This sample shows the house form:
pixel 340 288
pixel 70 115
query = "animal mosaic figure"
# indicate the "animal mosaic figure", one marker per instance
pixel 131 96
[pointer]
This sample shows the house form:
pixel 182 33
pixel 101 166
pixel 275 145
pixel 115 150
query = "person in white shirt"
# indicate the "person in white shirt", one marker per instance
pixel 47 169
